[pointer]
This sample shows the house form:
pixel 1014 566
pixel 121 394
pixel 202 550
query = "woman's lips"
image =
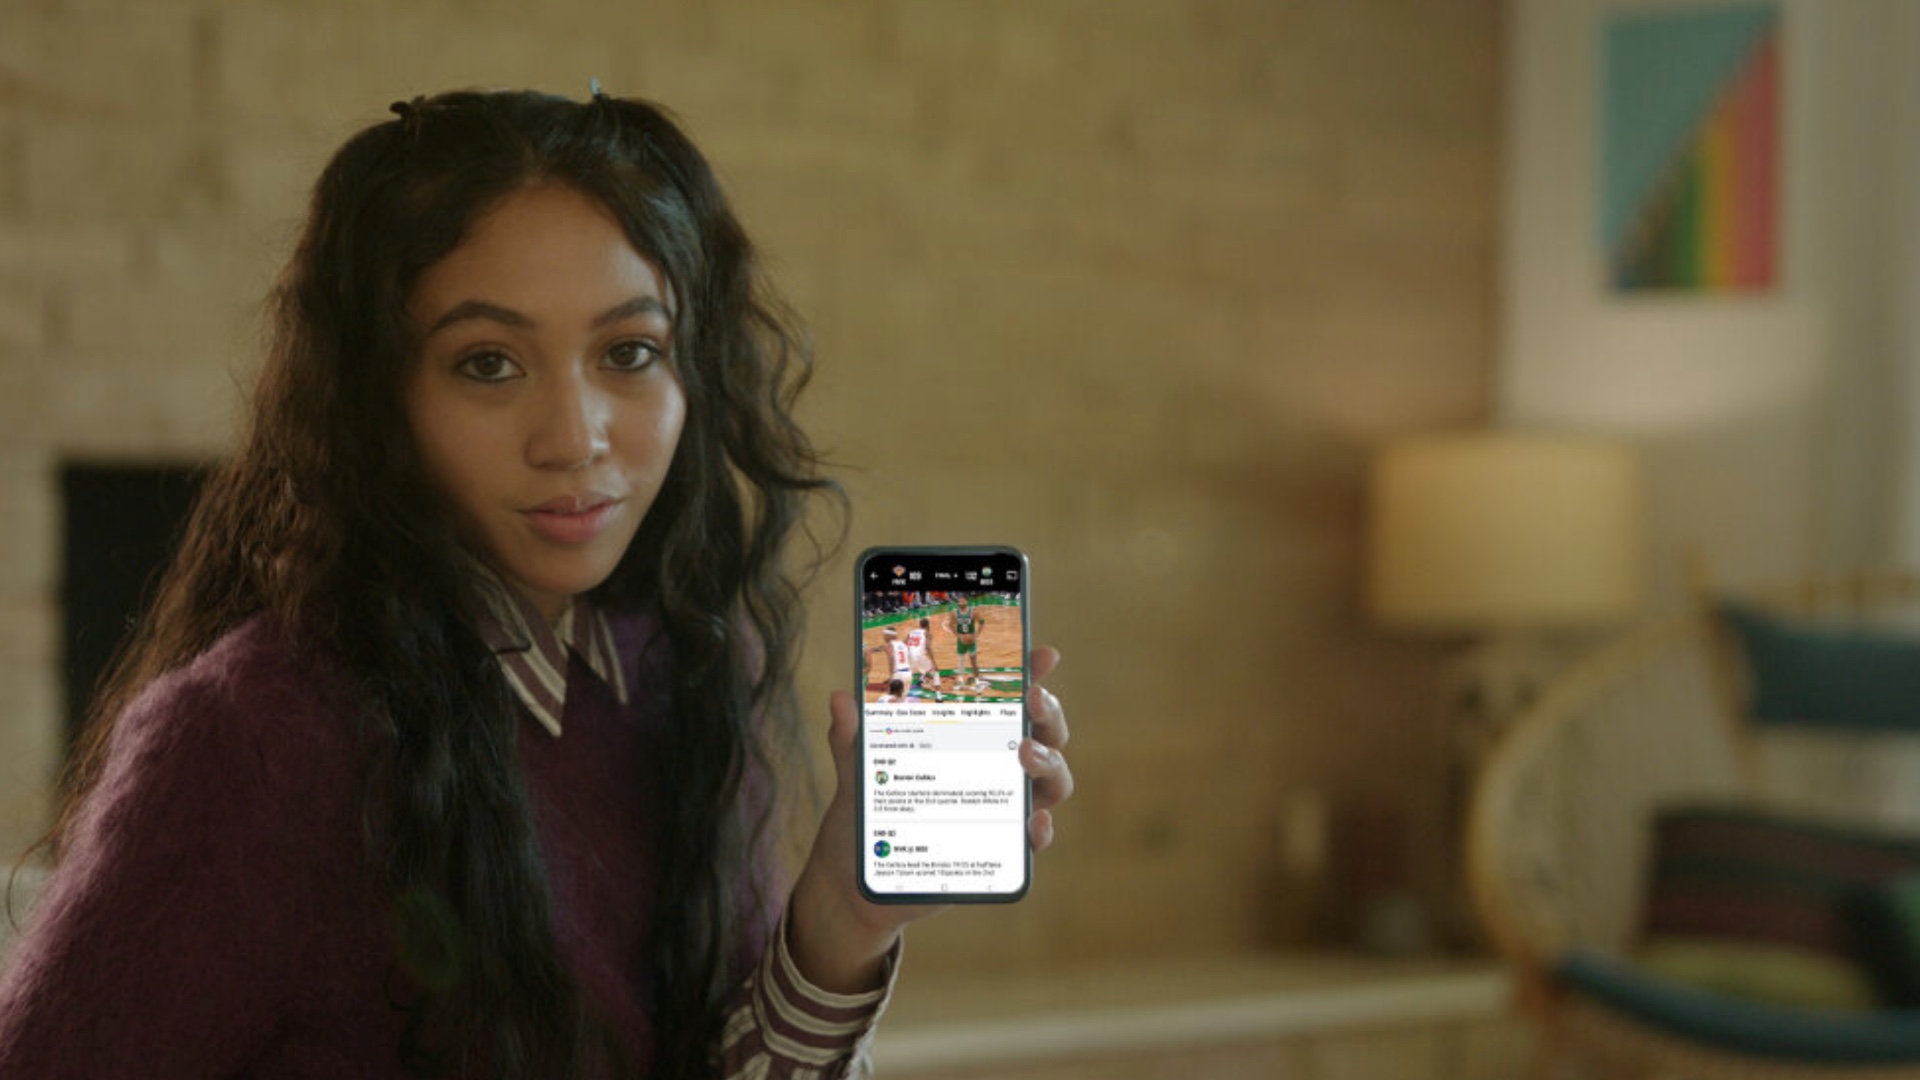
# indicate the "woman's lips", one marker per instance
pixel 572 519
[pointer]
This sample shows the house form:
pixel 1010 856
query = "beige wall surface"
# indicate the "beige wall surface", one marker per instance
pixel 1133 285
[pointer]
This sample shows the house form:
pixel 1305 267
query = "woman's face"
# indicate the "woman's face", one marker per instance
pixel 544 401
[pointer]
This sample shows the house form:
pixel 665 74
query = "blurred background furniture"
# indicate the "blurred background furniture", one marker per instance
pixel 1302 1016
pixel 1784 719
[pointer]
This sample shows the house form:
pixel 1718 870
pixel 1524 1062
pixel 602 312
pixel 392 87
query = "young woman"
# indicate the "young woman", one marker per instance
pixel 447 747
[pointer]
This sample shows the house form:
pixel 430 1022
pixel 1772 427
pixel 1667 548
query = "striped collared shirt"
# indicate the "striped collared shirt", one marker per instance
pixel 533 655
pixel 778 1023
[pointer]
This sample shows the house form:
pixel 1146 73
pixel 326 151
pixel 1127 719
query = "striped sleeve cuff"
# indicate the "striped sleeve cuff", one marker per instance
pixel 786 1026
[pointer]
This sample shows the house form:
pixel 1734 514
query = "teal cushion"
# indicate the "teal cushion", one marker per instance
pixel 1775 1031
pixel 1813 672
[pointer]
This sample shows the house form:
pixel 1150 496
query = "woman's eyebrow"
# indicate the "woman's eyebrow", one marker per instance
pixel 639 305
pixel 467 310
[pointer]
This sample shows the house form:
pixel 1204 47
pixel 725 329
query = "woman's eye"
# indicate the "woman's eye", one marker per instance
pixel 488 367
pixel 632 355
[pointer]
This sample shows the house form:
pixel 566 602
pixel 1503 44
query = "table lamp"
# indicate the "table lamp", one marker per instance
pixel 1498 531
pixel 1504 538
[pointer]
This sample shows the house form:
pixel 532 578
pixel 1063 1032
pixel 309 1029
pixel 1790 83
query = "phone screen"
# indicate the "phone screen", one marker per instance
pixel 942 664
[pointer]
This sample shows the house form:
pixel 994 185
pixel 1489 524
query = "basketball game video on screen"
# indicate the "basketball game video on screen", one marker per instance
pixel 943 647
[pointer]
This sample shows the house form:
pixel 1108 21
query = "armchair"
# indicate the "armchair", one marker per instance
pixel 1560 832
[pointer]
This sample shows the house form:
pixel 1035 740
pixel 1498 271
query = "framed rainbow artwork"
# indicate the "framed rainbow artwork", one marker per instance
pixel 1690 154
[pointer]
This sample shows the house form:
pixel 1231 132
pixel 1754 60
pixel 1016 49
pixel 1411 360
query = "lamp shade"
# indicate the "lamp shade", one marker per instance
pixel 1505 530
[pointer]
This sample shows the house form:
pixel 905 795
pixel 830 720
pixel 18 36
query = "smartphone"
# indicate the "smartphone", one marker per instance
pixel 940 655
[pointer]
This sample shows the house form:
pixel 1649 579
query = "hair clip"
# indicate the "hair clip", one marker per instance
pixel 593 88
pixel 409 112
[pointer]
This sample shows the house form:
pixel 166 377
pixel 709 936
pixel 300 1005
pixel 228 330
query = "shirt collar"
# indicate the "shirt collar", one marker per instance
pixel 533 655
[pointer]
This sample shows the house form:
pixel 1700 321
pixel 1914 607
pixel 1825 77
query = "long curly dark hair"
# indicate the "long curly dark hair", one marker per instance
pixel 326 521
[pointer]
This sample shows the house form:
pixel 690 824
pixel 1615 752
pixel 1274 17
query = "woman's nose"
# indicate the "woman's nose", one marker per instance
pixel 570 431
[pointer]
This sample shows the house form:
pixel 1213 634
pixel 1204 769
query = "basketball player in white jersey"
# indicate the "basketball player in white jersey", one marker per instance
pixel 896 652
pixel 920 656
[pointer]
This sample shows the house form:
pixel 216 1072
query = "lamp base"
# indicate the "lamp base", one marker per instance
pixel 1483 692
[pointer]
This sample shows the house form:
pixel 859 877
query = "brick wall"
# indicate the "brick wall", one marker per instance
pixel 1131 284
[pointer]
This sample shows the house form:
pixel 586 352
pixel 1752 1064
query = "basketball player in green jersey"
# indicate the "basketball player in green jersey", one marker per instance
pixel 966 624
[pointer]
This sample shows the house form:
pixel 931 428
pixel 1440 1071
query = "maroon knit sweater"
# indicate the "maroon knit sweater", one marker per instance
pixel 214 916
